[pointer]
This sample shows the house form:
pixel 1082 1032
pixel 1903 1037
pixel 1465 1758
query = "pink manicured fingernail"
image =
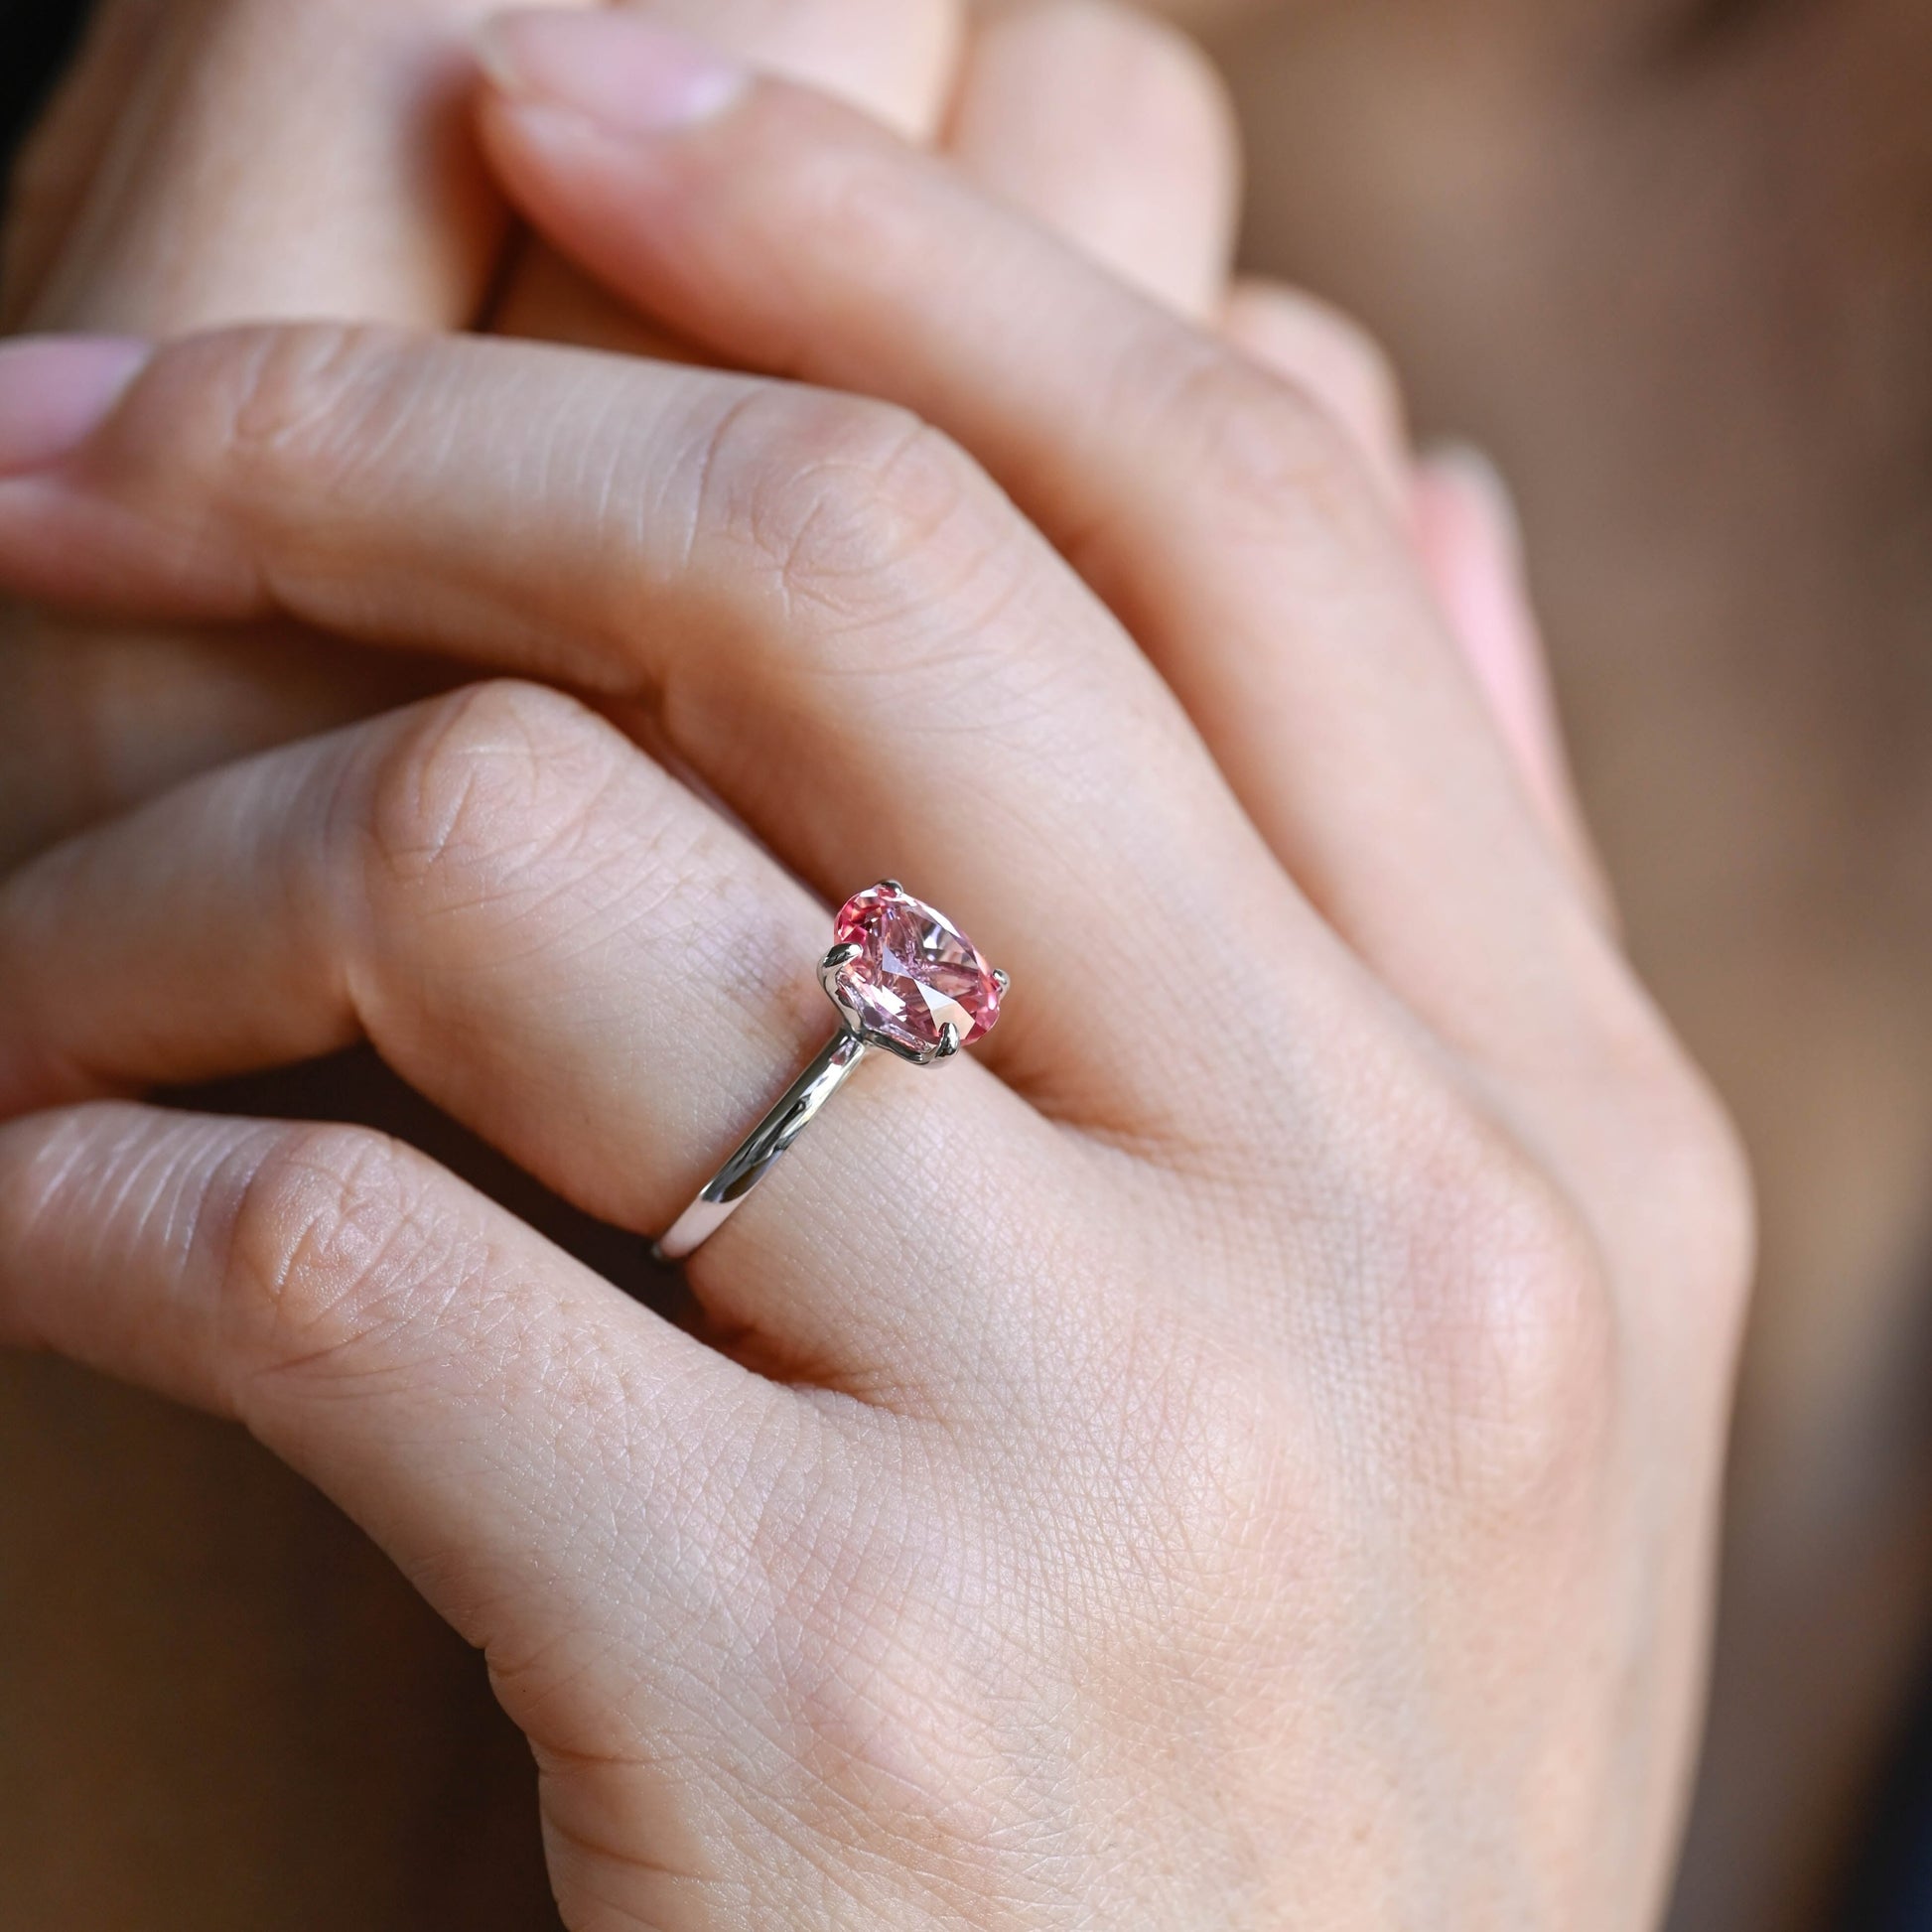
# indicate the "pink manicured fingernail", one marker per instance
pixel 55 392
pixel 1483 476
pixel 611 67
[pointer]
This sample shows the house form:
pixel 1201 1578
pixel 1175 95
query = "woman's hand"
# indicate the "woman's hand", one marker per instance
pixel 237 160
pixel 1242 1453
pixel 222 160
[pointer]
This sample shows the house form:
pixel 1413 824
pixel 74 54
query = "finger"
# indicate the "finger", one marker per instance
pixel 215 160
pixel 1471 546
pixel 453 1381
pixel 1336 366
pixel 1216 509
pixel 276 161
pixel 94 718
pixel 829 615
pixel 1464 528
pixel 891 58
pixel 571 955
pixel 1110 128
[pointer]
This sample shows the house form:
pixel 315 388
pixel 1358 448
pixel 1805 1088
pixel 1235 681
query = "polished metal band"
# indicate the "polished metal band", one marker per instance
pixel 906 980
pixel 734 1182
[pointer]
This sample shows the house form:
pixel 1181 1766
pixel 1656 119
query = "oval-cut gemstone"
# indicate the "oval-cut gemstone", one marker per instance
pixel 915 973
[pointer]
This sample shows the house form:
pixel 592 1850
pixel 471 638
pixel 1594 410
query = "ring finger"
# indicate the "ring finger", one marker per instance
pixel 828 611
pixel 570 953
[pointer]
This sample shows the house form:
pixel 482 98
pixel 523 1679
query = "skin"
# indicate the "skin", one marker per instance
pixel 1483 1262
pixel 140 221
pixel 1714 376
pixel 182 1744
pixel 1720 459
pixel 171 189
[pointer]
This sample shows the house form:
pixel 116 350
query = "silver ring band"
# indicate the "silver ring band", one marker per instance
pixel 726 1190
pixel 907 982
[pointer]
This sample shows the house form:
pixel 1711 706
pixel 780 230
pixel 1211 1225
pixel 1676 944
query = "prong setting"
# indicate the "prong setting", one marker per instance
pixel 907 982
pixel 905 979
pixel 831 971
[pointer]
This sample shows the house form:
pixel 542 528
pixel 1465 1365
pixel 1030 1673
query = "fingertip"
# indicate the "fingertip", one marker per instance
pixel 630 76
pixel 1468 533
pixel 56 391
pixel 1113 128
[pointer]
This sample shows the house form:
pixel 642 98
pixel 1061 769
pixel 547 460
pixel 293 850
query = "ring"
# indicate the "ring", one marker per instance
pixel 906 980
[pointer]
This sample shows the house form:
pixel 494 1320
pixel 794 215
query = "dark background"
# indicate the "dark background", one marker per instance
pixel 37 34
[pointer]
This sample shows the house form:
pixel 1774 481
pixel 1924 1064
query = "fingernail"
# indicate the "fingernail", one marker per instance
pixel 627 74
pixel 56 391
pixel 1483 476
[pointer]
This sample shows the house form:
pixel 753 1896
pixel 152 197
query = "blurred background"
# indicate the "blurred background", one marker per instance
pixel 1671 262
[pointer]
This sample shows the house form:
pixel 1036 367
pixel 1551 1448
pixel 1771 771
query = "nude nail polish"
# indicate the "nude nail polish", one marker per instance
pixel 56 391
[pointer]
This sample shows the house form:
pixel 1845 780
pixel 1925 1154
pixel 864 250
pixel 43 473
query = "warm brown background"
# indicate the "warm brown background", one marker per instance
pixel 1673 263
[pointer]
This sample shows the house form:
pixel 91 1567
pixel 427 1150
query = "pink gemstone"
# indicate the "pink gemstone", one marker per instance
pixel 916 973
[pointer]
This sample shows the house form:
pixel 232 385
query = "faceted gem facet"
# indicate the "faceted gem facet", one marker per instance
pixel 916 972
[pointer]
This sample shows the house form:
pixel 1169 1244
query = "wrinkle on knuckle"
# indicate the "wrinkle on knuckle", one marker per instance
pixel 1219 1467
pixel 886 1698
pixel 297 413
pixel 1273 459
pixel 488 799
pixel 868 528
pixel 1326 349
pixel 343 1255
pixel 832 494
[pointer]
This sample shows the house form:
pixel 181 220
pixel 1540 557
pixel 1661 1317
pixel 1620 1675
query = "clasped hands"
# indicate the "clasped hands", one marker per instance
pixel 1241 1453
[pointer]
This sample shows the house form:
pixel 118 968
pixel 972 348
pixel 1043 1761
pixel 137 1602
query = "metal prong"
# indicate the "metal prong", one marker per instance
pixel 949 1041
pixel 891 885
pixel 831 978
pixel 1002 980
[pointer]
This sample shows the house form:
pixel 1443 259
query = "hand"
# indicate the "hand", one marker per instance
pixel 1244 1450
pixel 233 159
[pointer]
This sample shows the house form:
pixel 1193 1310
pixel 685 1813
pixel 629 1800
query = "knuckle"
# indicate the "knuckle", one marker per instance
pixel 281 413
pixel 1508 1325
pixel 1713 1182
pixel 1272 458
pixel 1694 1226
pixel 483 796
pixel 1335 361
pixel 859 514
pixel 342 1246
